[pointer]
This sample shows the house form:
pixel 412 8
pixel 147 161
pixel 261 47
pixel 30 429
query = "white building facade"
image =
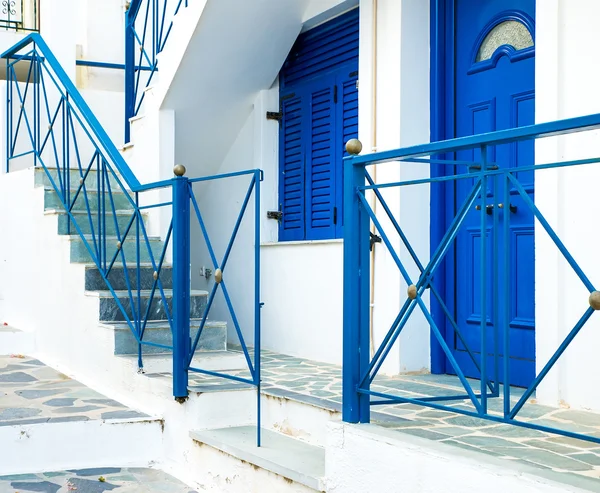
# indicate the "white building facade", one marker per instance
pixel 281 86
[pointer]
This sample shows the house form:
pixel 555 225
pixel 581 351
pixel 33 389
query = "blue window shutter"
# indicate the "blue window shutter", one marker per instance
pixel 321 161
pixel 292 169
pixel 320 113
pixel 348 115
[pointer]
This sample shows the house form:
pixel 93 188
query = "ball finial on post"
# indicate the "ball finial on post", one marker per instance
pixel 412 291
pixel 354 147
pixel 595 300
pixel 179 170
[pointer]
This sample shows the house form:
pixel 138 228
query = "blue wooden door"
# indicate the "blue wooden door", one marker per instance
pixel 494 90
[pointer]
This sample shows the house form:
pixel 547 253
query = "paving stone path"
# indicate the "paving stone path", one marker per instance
pixel 98 480
pixel 321 385
pixel 32 393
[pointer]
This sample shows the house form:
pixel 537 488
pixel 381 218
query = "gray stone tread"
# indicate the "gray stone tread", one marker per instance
pixel 111 237
pixel 279 454
pixel 144 293
pixel 159 324
pixel 109 212
pixel 90 265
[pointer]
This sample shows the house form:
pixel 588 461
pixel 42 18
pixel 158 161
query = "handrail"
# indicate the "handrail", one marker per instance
pixel 493 187
pixel 528 132
pixel 49 124
pixel 75 96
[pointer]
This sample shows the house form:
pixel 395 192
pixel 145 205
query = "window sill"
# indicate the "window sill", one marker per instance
pixel 302 242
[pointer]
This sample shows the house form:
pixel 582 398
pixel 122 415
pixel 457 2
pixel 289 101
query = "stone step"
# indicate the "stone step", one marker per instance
pixel 213 338
pixel 81 255
pixel 121 201
pixel 83 221
pixel 221 361
pixel 290 459
pixel 74 179
pixel 118 278
pixel 111 312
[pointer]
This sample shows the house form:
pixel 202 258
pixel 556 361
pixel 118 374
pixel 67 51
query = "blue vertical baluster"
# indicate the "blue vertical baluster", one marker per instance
pixel 355 406
pixel 36 95
pixel 506 293
pixel 101 165
pixel 9 111
pixel 495 288
pixel 137 310
pixel 483 276
pixel 130 65
pixel 181 284
pixel 257 303
pixel 68 165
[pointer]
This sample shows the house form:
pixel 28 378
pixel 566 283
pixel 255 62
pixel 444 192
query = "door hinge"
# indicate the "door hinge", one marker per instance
pixel 335 215
pixel 335 91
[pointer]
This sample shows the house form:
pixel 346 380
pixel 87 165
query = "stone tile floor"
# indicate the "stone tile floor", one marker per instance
pixel 126 480
pixel 31 393
pixel 320 384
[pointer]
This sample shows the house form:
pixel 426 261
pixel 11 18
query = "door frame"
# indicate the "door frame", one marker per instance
pixel 442 127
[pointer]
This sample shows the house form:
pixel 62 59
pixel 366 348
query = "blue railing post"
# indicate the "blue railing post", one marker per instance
pixel 130 65
pixel 181 282
pixel 356 347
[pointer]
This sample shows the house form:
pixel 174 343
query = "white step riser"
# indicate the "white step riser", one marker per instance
pixel 221 473
pixel 78 445
pixel 296 419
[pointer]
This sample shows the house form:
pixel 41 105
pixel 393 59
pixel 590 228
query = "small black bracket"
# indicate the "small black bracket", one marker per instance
pixel 278 215
pixel 275 115
pixel 373 239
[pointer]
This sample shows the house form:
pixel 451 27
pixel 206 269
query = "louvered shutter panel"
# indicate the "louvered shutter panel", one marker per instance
pixel 349 130
pixel 319 64
pixel 320 189
pixel 292 181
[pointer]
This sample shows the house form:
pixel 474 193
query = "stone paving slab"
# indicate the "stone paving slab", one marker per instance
pixel 33 393
pixel 97 480
pixel 320 384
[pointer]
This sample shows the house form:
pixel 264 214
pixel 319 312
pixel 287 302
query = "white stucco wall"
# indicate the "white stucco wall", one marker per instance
pixel 97 22
pixel 566 38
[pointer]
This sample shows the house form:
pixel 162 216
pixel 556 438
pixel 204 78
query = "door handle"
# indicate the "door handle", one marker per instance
pixel 513 208
pixel 488 209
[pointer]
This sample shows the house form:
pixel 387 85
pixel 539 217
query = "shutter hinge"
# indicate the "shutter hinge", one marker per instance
pixel 356 83
pixel 335 91
pixel 275 115
pixel 277 215
pixel 335 215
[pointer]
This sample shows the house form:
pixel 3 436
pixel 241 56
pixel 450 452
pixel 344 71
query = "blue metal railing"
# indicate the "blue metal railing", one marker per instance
pixel 360 369
pixel 148 24
pixel 49 125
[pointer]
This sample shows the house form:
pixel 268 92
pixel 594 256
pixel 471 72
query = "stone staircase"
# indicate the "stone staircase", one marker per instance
pixel 110 316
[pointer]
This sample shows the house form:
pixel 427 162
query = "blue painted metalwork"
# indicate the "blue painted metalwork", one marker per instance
pixel 181 283
pixel 148 24
pixel 50 125
pixel 360 369
pixel 115 66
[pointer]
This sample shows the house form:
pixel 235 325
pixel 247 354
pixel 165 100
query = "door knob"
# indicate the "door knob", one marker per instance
pixel 488 208
pixel 513 208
